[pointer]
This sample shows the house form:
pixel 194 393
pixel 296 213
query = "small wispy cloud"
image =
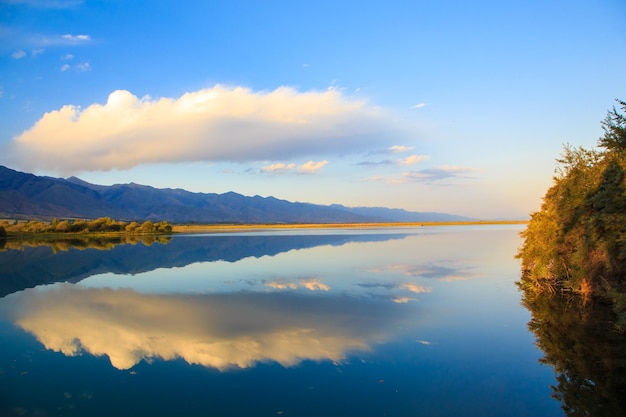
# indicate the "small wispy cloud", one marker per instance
pixel 427 176
pixel 67 57
pixel 59 40
pixel 278 168
pixel 400 148
pixel 19 54
pixel 391 150
pixel 76 38
pixel 82 67
pixel 437 174
pixel 413 159
pixel 311 167
pixel 409 160
pixel 418 106
pixel 414 288
pixel 376 163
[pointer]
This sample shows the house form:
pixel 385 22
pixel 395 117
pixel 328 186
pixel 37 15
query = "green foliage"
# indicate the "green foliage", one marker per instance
pixel 614 126
pixel 577 241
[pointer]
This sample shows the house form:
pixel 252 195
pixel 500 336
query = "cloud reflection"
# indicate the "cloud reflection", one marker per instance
pixel 216 330
pixel 430 271
pixel 311 284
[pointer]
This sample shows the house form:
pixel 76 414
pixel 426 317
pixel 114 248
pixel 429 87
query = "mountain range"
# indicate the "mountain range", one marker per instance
pixel 26 196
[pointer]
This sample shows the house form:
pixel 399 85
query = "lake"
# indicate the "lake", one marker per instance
pixel 423 321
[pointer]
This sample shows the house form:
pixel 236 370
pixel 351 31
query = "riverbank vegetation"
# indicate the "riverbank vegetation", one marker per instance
pixel 103 225
pixel 576 243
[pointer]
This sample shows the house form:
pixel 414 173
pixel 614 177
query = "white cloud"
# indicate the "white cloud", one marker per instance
pixel 65 67
pixel 415 288
pixel 311 167
pixel 214 124
pixel 413 159
pixel 67 57
pixel 18 54
pixel 418 106
pixel 76 38
pixel 400 148
pixel 278 168
pixel 83 67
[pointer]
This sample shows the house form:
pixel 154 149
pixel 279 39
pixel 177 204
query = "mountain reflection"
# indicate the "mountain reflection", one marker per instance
pixel 27 264
pixel 234 330
pixel 587 351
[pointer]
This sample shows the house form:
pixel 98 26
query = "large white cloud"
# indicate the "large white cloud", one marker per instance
pixel 215 124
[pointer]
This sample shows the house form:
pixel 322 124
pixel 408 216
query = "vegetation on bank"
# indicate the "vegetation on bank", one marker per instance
pixel 97 226
pixel 577 241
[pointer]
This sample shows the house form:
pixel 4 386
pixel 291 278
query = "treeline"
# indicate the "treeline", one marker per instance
pixel 577 241
pixel 101 225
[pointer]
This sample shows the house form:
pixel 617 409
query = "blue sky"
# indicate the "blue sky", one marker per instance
pixel 450 106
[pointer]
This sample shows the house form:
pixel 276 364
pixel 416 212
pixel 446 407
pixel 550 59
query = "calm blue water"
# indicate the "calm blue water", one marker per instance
pixel 386 322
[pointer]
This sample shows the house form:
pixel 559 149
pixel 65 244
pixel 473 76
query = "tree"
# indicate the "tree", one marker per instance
pixel 614 127
pixel 577 241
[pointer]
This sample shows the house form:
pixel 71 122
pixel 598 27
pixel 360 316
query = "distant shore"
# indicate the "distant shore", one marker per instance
pixel 220 228
pixel 44 231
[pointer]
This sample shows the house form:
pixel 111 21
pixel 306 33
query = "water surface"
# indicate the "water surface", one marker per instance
pixel 382 322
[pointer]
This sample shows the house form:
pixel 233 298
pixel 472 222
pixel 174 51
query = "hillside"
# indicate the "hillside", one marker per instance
pixel 25 195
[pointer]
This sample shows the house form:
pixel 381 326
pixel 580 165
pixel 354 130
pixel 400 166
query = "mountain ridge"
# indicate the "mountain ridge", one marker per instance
pixel 24 195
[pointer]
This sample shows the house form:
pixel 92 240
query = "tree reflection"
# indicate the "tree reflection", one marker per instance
pixel 64 244
pixel 586 348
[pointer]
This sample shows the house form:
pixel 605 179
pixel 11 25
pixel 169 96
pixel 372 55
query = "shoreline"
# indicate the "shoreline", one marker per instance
pixel 220 228
pixel 234 228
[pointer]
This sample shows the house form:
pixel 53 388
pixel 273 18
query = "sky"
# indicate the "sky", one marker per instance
pixel 449 106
